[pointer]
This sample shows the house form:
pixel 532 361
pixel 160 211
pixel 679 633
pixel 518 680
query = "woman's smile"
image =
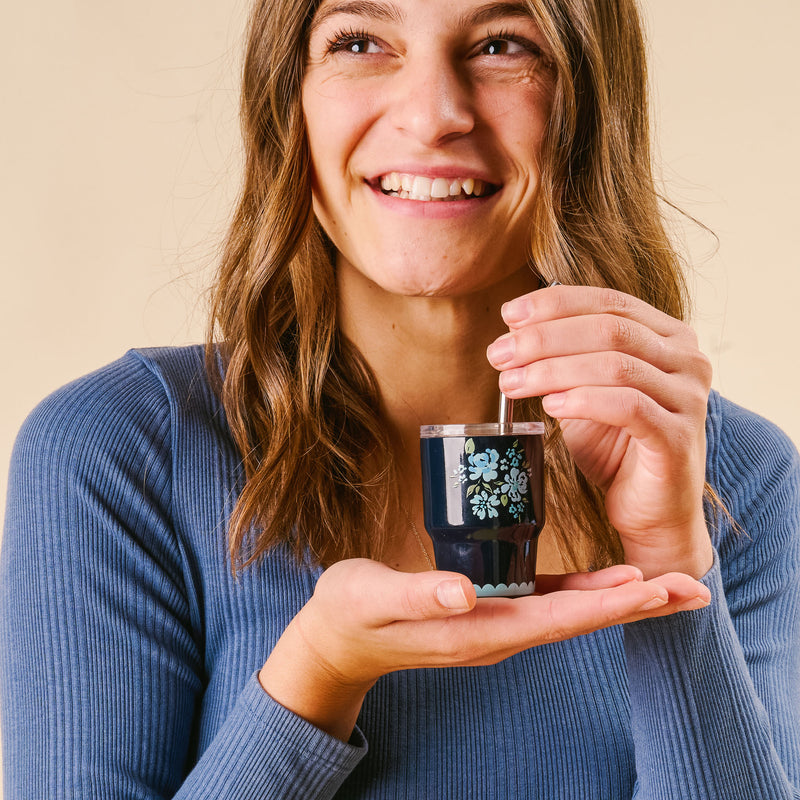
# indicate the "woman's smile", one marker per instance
pixel 444 193
pixel 426 188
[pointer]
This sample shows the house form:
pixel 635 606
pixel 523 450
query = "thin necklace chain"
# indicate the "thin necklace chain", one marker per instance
pixel 418 538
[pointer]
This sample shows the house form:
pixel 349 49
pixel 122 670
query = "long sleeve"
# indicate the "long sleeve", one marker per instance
pixel 101 640
pixel 129 650
pixel 715 693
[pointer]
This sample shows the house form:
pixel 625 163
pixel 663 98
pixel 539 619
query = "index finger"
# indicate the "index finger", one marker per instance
pixel 560 302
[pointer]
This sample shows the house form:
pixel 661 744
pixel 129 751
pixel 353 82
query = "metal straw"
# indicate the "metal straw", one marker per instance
pixel 505 415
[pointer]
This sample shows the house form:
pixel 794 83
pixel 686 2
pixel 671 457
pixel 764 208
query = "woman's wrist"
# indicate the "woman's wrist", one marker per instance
pixel 687 550
pixel 299 680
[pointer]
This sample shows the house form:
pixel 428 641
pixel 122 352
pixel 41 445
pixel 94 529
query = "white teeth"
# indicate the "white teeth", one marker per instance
pixel 420 187
pixel 440 188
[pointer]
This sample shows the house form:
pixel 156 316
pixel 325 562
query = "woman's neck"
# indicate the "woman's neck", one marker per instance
pixel 427 354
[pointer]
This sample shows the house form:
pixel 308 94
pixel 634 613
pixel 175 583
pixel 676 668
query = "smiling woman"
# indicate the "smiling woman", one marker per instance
pixel 232 591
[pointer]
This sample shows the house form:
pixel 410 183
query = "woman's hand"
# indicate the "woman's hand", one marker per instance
pixel 366 620
pixel 629 387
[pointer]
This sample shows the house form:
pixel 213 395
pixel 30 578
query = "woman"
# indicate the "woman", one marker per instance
pixel 230 592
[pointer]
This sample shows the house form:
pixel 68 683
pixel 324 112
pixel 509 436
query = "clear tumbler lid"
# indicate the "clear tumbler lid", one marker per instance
pixel 482 429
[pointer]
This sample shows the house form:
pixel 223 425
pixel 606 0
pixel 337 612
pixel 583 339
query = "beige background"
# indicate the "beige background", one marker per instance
pixel 119 162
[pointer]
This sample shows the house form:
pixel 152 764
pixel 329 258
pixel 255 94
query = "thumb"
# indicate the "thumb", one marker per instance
pixel 433 595
pixel 379 595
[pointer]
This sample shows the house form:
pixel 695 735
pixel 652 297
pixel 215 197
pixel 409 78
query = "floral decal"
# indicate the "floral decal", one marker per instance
pixel 483 466
pixel 516 484
pixel 495 482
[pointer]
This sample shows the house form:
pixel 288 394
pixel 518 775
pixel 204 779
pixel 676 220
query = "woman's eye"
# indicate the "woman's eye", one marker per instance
pixel 511 45
pixel 362 46
pixel 502 47
pixel 358 44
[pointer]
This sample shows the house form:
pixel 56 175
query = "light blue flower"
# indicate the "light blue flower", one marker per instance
pixel 517 510
pixel 514 456
pixel 516 483
pixel 483 504
pixel 483 465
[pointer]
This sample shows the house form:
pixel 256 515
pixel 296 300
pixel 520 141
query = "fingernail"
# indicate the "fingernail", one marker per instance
pixel 514 310
pixel 552 403
pixel 451 595
pixel 695 603
pixel 502 350
pixel 656 602
pixel 511 379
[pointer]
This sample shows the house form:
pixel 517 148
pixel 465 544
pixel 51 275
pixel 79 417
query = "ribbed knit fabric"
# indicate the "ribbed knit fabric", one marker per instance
pixel 129 652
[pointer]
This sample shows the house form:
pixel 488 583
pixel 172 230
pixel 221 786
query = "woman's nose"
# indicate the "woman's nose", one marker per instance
pixel 432 102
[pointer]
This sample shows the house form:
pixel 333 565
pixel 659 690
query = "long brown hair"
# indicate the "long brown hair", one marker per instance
pixel 301 403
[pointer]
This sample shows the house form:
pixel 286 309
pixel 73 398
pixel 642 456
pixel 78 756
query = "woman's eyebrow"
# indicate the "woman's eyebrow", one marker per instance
pixel 493 11
pixel 388 12
pixel 370 9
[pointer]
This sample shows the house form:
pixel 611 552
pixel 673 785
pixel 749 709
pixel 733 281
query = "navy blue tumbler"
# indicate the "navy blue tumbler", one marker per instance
pixel 483 492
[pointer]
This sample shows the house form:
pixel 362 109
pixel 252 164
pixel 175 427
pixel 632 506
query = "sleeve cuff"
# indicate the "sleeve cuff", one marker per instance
pixel 698 725
pixel 265 750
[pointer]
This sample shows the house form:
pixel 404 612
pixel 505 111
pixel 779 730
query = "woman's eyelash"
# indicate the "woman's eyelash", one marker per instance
pixel 343 39
pixel 508 36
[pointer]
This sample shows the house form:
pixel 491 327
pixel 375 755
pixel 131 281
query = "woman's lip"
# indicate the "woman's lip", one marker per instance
pixel 449 171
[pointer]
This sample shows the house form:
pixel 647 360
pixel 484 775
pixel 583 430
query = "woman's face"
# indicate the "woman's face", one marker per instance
pixel 425 120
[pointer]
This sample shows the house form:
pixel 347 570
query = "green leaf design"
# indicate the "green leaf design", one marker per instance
pixel 471 489
pixel 469 446
pixel 504 499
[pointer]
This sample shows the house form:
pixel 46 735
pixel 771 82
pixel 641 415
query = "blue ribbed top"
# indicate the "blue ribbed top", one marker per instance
pixel 129 652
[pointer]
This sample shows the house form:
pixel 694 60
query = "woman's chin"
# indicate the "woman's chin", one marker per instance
pixel 433 287
pixel 434 274
pixel 467 281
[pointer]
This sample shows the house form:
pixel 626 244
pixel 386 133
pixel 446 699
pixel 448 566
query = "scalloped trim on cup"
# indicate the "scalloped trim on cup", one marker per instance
pixel 502 590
